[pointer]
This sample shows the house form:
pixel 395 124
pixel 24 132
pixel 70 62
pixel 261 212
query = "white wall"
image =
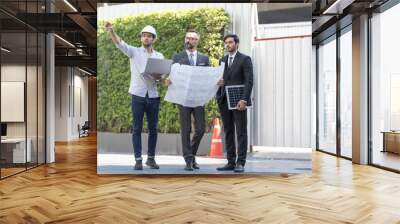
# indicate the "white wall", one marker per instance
pixel 283 30
pixel 61 103
pixel 13 101
pixel 18 73
pixel 33 126
pixel 12 73
pixel 80 94
pixel 284 91
pixel 70 83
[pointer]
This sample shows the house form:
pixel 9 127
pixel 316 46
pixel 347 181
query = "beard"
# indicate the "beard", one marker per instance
pixel 231 49
pixel 188 46
pixel 146 44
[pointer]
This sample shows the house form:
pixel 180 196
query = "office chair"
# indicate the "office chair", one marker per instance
pixel 84 130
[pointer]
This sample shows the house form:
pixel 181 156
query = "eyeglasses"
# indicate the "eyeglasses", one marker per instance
pixel 191 38
pixel 229 42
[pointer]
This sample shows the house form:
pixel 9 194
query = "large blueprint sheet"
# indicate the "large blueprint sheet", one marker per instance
pixel 193 86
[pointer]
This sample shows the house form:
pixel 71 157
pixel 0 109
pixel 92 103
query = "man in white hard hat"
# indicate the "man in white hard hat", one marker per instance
pixel 145 97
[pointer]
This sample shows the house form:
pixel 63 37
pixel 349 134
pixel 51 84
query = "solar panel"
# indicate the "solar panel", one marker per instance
pixel 234 94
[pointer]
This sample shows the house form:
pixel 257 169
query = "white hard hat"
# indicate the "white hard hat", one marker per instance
pixel 149 29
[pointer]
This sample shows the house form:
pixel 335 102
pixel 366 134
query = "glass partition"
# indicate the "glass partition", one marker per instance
pixel 346 92
pixel 22 88
pixel 15 149
pixel 327 95
pixel 385 89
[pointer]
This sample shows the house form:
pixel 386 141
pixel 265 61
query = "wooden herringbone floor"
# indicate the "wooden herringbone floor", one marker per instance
pixel 70 191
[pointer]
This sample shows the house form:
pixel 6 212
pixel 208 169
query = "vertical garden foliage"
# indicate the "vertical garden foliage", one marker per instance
pixel 114 102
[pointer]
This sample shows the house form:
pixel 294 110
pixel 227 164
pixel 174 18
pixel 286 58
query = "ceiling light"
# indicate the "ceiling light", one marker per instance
pixel 86 72
pixel 64 40
pixel 70 5
pixel 337 7
pixel 5 50
pixel 79 51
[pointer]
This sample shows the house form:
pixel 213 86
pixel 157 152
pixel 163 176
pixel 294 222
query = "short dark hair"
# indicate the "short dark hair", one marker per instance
pixel 193 31
pixel 234 36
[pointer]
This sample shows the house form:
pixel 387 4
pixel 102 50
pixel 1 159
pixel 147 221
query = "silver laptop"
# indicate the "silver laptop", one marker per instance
pixel 157 66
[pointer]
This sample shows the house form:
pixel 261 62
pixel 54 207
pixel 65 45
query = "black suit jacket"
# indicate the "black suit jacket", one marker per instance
pixel 183 58
pixel 240 73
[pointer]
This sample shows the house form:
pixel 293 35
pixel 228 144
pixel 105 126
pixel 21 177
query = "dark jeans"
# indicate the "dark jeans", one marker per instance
pixel 231 120
pixel 140 106
pixel 190 147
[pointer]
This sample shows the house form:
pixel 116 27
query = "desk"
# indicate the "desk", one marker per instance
pixel 391 141
pixel 16 147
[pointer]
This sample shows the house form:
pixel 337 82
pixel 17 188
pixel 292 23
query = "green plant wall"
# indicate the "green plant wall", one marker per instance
pixel 114 101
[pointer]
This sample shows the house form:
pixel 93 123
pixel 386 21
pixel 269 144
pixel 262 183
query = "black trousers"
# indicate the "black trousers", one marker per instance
pixel 231 120
pixel 190 147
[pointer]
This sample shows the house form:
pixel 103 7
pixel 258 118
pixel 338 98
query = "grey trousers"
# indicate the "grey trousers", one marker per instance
pixel 190 147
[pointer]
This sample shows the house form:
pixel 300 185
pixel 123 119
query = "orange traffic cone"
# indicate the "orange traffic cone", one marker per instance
pixel 216 141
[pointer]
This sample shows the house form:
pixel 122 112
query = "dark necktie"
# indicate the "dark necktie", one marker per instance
pixel 191 61
pixel 230 61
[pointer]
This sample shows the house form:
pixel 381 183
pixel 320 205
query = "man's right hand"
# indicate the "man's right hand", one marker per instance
pixel 108 27
pixel 168 82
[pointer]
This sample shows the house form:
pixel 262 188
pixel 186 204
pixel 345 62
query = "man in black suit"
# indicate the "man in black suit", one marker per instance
pixel 190 56
pixel 238 71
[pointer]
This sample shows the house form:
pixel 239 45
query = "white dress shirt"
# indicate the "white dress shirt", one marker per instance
pixel 233 57
pixel 194 56
pixel 140 84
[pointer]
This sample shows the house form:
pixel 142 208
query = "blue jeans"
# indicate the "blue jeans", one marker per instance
pixel 140 106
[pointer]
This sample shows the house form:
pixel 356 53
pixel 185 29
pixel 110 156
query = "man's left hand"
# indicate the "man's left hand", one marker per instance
pixel 156 76
pixel 241 105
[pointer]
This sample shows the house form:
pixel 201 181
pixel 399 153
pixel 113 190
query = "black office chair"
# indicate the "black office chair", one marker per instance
pixel 84 130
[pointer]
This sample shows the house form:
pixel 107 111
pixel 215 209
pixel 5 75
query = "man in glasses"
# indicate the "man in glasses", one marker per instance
pixel 190 56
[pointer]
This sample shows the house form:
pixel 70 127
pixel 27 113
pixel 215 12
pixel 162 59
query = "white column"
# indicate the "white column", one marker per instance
pixel 360 90
pixel 50 94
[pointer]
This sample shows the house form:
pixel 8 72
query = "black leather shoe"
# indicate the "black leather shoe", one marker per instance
pixel 227 167
pixel 152 163
pixel 138 165
pixel 239 168
pixel 196 166
pixel 189 166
